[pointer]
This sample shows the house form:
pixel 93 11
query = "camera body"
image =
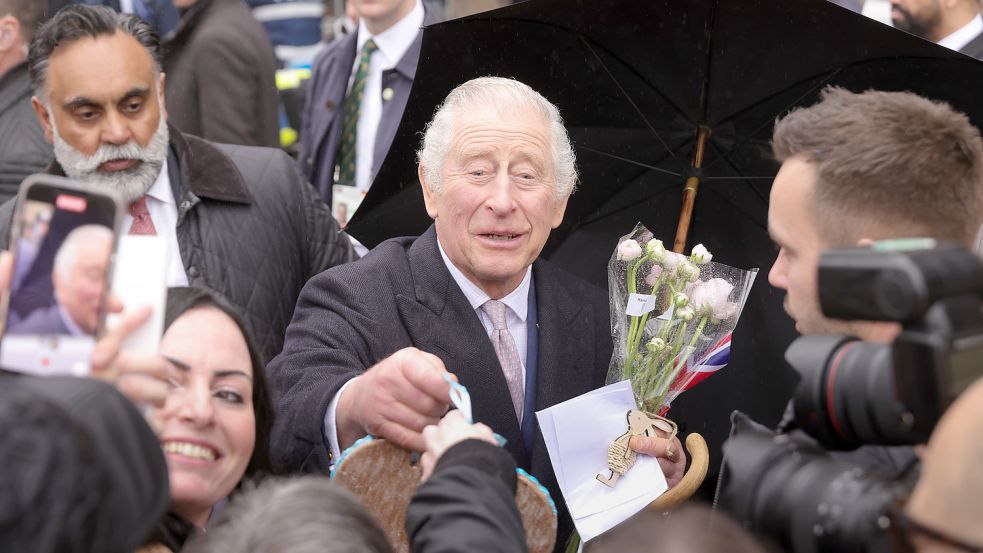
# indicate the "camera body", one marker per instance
pixel 857 393
pixel 792 487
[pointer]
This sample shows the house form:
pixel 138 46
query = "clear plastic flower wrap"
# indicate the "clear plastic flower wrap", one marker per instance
pixel 672 316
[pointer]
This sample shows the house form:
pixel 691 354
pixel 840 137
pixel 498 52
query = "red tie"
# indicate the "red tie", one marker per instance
pixel 142 223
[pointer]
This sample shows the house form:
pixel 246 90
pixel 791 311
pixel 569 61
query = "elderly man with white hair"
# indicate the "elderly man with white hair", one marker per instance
pixel 369 342
pixel 79 280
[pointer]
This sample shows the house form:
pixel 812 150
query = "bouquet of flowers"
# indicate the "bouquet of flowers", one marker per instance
pixel 672 317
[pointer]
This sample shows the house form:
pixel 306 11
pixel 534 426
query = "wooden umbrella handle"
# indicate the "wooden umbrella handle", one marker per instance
pixel 699 464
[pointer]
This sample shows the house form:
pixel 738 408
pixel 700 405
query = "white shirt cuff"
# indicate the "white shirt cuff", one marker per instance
pixel 330 429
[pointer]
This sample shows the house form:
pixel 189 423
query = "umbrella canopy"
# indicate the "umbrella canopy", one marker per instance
pixel 637 83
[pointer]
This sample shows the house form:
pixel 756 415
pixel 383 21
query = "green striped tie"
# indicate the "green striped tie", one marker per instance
pixel 352 108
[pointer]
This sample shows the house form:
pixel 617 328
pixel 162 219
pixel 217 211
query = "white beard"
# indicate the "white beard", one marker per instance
pixel 130 184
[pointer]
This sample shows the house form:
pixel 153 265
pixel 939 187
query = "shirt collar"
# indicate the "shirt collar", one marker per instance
pixel 396 40
pixel 161 189
pixel 517 300
pixel 964 34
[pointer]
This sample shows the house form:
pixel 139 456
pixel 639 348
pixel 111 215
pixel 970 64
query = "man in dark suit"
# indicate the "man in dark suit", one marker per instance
pixel 388 42
pixel 955 24
pixel 369 342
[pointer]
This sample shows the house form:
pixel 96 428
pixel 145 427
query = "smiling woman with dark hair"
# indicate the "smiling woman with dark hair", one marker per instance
pixel 214 427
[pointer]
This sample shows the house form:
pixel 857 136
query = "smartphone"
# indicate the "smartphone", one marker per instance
pixel 62 239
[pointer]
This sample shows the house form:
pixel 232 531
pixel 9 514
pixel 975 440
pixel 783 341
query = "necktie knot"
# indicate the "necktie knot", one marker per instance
pixel 496 312
pixel 138 208
pixel 143 223
pixel 368 49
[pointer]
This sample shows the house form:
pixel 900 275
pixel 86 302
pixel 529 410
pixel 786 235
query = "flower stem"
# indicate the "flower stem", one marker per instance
pixel 665 383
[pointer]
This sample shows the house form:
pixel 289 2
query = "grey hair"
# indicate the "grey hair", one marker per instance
pixel 78 21
pixel 308 514
pixel 68 251
pixel 505 95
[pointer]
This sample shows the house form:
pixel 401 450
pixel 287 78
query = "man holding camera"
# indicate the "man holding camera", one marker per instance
pixel 863 167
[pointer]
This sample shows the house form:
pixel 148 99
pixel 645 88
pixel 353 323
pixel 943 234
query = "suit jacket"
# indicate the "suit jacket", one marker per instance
pixel 221 75
pixel 401 294
pixel 320 134
pixel 46 320
pixel 23 148
pixel 974 47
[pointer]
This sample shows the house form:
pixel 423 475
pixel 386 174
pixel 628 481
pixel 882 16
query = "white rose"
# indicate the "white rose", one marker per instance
pixel 700 255
pixel 655 250
pixel 688 271
pixel 653 277
pixel 686 313
pixel 656 344
pixel 710 298
pixel 671 262
pixel 629 250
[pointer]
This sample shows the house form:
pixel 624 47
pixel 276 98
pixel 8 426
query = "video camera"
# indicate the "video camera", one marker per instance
pixel 855 393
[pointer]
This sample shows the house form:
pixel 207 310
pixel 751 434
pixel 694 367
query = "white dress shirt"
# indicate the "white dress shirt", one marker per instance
pixel 517 302
pixel 964 34
pixel 163 212
pixel 392 43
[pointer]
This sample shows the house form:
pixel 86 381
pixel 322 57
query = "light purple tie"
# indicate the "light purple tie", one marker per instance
pixel 508 354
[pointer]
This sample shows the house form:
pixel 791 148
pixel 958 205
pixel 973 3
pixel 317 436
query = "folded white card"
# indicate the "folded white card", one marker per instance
pixel 577 434
pixel 139 279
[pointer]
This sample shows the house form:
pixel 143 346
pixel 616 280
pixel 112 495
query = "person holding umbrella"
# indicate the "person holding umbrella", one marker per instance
pixel 370 342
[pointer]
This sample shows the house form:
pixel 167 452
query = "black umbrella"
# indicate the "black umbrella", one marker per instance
pixel 659 96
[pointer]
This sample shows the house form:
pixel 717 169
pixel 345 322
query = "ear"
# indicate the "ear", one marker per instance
pixel 44 117
pixel 9 33
pixel 429 196
pixel 160 95
pixel 561 208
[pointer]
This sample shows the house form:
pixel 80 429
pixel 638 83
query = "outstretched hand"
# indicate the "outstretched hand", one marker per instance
pixel 395 400
pixel 451 430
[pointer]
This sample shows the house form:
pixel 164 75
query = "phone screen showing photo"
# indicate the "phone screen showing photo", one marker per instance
pixel 63 245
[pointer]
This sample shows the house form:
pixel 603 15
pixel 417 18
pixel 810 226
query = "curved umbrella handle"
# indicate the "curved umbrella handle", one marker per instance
pixel 700 462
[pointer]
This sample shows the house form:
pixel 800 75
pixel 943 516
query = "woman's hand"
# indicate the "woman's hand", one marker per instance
pixel 139 376
pixel 450 430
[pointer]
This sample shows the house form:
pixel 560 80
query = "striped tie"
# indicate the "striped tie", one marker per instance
pixel 352 108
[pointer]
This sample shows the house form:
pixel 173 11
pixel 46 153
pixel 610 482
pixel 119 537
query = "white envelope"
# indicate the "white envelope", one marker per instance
pixel 577 434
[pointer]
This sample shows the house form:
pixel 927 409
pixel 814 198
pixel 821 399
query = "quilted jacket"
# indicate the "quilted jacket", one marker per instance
pixel 249 227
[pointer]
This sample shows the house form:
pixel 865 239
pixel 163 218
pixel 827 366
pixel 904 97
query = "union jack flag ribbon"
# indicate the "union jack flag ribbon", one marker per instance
pixel 714 360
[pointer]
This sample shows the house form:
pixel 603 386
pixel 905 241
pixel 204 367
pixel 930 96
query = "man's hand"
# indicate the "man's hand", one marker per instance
pixel 139 376
pixel 451 430
pixel 394 400
pixel 673 466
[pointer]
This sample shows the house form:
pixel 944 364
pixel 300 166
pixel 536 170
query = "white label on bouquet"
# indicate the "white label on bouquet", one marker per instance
pixel 640 304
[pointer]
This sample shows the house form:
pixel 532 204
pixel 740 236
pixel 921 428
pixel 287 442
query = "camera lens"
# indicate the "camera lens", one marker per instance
pixel 847 395
pixel 788 489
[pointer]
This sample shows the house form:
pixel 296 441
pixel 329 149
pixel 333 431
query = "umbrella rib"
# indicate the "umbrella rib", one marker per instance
pixel 748 137
pixel 624 93
pixel 626 160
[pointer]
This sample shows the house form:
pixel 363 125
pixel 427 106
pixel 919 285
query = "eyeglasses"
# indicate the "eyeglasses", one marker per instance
pixel 903 528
